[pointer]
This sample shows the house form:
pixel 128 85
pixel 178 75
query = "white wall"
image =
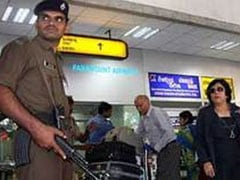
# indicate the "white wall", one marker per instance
pixel 222 10
pixel 111 86
pixel 121 89
pixel 190 65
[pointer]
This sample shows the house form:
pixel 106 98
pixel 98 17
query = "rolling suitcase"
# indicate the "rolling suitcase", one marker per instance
pixel 112 151
pixel 105 170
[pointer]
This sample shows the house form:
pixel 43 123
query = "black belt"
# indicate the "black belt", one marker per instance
pixel 171 142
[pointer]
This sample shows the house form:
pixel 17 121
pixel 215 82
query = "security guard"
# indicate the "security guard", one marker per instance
pixel 31 89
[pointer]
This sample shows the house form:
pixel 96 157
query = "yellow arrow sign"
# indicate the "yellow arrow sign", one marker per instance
pixel 90 45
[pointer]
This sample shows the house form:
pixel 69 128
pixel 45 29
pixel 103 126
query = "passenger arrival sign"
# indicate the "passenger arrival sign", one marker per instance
pixel 93 46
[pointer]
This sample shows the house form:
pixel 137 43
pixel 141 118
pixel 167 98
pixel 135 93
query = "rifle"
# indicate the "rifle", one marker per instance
pixel 77 158
pixel 2 116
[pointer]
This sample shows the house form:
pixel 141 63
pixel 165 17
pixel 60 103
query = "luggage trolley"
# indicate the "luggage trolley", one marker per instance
pixel 117 159
pixel 118 170
pixel 109 170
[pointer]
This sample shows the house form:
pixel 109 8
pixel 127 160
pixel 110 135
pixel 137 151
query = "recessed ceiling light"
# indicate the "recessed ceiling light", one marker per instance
pixel 131 31
pixel 142 32
pixel 225 45
pixel 21 15
pixel 232 46
pixel 218 44
pixel 33 19
pixel 150 34
pixel 7 13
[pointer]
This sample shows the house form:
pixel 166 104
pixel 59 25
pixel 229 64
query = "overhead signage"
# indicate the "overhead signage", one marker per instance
pixel 205 80
pixel 92 68
pixel 174 86
pixel 94 46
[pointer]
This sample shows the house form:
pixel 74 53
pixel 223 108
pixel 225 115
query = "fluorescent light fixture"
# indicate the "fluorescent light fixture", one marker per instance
pixel 33 19
pixel 141 32
pixel 150 34
pixel 131 31
pixel 232 46
pixel 218 44
pixel 144 32
pixel 21 15
pixel 7 13
pixel 225 45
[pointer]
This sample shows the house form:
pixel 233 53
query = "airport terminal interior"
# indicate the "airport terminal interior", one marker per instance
pixel 166 46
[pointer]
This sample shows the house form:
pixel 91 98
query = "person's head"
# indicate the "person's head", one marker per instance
pixel 105 109
pixel 142 104
pixel 70 103
pixel 219 91
pixel 185 118
pixel 52 18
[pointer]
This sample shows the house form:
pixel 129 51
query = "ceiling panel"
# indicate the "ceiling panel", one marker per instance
pixel 83 28
pixel 75 11
pixel 208 53
pixel 129 19
pixel 235 50
pixel 3 5
pixel 171 47
pixel 177 28
pixel 186 39
pixel 207 42
pixel 190 50
pixel 98 13
pixel 200 32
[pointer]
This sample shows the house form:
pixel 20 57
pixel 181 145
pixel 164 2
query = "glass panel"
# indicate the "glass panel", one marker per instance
pixel 123 115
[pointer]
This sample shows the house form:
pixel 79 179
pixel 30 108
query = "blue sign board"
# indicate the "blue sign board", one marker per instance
pixel 174 86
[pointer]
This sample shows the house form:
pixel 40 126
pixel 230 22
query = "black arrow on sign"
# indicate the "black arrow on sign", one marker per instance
pixel 100 46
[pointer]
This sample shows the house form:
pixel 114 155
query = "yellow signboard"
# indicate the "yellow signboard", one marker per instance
pixel 205 80
pixel 96 46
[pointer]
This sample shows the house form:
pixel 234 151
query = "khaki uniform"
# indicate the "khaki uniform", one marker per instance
pixel 20 72
pixel 20 64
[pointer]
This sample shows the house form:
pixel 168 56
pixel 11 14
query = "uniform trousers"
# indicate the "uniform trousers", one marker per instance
pixel 44 165
pixel 168 162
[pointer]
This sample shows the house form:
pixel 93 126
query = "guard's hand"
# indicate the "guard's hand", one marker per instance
pixel 44 136
pixel 149 148
pixel 208 169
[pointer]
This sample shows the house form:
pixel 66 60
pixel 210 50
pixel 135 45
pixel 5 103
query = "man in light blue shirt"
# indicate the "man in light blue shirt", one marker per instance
pixel 155 126
pixel 99 125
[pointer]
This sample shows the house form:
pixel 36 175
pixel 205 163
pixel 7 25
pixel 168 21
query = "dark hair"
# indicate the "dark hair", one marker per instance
pixel 187 115
pixel 70 100
pixel 104 106
pixel 224 83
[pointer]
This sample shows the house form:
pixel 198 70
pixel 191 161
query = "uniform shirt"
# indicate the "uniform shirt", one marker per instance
pixel 20 64
pixel 156 127
pixel 101 127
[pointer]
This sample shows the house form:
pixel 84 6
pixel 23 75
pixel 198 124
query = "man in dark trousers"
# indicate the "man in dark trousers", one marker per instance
pixel 25 96
pixel 155 127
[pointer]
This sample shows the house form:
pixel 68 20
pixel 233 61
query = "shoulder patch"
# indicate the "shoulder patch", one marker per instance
pixel 22 40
